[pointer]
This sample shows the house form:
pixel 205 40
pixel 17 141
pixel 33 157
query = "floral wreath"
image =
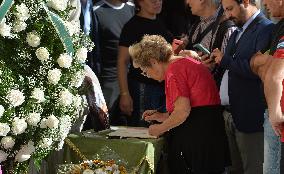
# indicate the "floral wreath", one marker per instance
pixel 41 68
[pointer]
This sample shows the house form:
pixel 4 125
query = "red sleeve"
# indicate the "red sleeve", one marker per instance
pixel 177 87
pixel 279 53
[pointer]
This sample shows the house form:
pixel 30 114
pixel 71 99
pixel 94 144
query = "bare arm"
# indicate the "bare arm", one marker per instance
pixel 273 92
pixel 181 111
pixel 126 104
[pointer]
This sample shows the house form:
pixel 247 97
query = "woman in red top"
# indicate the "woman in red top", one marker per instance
pixel 197 140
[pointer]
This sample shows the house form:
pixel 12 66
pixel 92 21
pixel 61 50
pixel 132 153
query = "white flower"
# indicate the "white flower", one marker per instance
pixel 4 129
pixel 46 142
pixel 73 27
pixel 77 101
pixel 3 156
pixel 42 54
pixel 64 60
pixel 82 54
pixel 54 76
pixel 7 142
pixel 64 128
pixel 59 5
pixel 2 110
pixel 33 119
pixel 19 125
pixel 22 12
pixel 5 30
pixel 116 172
pixel 19 26
pixel 52 122
pixel 33 39
pixel 15 97
pixel 43 124
pixel 88 171
pixel 25 152
pixel 108 168
pixel 65 97
pixel 38 94
pixel 100 171
pixel 77 79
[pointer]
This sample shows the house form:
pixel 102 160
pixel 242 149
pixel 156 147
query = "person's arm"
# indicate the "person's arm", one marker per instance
pixel 273 91
pixel 181 111
pixel 153 115
pixel 126 104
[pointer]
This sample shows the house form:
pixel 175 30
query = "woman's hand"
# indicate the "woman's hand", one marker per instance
pixel 153 115
pixel 126 104
pixel 189 53
pixel 155 130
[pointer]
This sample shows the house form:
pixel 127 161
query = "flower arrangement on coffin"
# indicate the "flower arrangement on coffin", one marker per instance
pixel 42 57
pixel 98 167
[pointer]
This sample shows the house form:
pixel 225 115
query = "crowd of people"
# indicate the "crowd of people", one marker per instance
pixel 207 74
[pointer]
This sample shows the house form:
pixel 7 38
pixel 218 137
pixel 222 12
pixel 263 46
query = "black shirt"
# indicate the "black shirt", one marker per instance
pixel 133 32
pixel 109 21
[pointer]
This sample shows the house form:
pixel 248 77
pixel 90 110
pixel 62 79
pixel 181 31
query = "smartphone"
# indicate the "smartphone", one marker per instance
pixel 177 46
pixel 201 48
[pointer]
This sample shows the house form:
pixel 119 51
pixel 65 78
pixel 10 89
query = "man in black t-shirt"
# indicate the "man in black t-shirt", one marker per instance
pixel 109 18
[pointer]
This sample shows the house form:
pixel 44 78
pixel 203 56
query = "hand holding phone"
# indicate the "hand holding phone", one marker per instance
pixel 201 48
pixel 177 46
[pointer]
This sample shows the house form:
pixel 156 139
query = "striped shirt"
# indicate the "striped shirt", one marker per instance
pixel 209 38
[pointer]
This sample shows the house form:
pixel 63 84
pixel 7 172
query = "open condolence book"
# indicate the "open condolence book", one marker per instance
pixel 130 132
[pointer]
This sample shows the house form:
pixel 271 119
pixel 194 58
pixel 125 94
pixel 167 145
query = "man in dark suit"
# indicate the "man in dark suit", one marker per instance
pixel 245 123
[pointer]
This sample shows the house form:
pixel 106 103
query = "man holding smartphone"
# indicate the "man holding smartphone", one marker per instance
pixel 245 123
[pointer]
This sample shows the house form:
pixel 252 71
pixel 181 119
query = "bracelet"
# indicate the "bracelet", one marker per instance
pixel 124 93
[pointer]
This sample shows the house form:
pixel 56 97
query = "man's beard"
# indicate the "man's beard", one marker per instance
pixel 237 22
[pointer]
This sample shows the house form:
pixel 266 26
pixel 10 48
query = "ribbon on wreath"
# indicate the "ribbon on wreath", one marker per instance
pixel 61 30
pixel 4 8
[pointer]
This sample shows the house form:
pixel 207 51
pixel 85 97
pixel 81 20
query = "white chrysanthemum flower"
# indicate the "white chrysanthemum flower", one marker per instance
pixel 19 26
pixel 22 12
pixel 33 119
pixel 54 76
pixel 33 39
pixel 2 110
pixel 4 129
pixel 108 168
pixel 58 5
pixel 72 27
pixel 25 152
pixel 38 94
pixel 5 30
pixel 52 122
pixel 78 79
pixel 100 171
pixel 19 126
pixel 7 142
pixel 3 156
pixel 88 171
pixel 82 54
pixel 116 172
pixel 46 142
pixel 64 128
pixel 64 60
pixel 77 101
pixel 15 97
pixel 42 54
pixel 43 124
pixel 65 98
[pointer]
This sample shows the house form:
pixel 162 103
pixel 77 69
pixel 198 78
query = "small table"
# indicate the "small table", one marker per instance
pixel 137 155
